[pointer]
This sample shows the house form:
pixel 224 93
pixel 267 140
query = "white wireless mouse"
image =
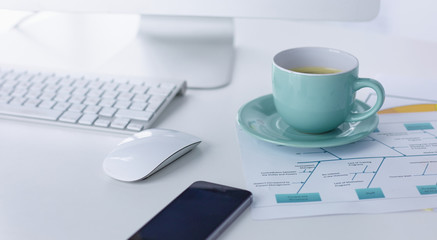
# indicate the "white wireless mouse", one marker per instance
pixel 146 152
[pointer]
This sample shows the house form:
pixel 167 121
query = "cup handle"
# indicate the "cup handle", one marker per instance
pixel 380 94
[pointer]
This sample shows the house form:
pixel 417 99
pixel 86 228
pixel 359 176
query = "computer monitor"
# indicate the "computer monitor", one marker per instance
pixel 194 39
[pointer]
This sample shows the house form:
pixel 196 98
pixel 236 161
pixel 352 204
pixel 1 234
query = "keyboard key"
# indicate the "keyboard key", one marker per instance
pixel 62 106
pixel 135 126
pixel 47 104
pixel 97 93
pixel 62 97
pixel 122 104
pixel 125 88
pixel 109 86
pixel 88 119
pixel 139 115
pixel 160 91
pixel 138 106
pixel 77 107
pixel 140 89
pixel 125 96
pixel 107 102
pixel 141 97
pixel 92 109
pixel 95 85
pixel 39 113
pixel 156 100
pixel 70 117
pixel 107 111
pixel 91 100
pixel 167 85
pixel 17 101
pixel 102 122
pixel 76 99
pixel 32 102
pixel 47 95
pixel 5 98
pixel 81 91
pixel 120 123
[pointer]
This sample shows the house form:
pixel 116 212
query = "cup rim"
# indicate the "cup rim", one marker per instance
pixel 355 65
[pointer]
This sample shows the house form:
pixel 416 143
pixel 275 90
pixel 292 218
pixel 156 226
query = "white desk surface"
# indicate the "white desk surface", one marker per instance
pixel 52 185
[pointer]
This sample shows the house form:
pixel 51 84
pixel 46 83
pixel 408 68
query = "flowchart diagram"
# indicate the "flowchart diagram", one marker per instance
pixel 398 160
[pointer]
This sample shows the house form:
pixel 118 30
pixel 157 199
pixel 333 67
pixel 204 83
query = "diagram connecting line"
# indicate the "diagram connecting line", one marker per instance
pixel 326 151
pixel 314 169
pixel 430 134
pixel 362 172
pixel 376 172
pixel 394 148
pixel 361 158
pixel 424 173
pixel 426 167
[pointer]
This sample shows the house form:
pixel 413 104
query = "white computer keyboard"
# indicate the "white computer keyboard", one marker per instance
pixel 109 103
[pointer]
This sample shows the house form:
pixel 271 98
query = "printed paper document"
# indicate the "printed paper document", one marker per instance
pixel 393 169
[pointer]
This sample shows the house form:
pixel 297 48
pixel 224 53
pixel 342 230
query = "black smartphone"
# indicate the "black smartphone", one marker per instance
pixel 202 211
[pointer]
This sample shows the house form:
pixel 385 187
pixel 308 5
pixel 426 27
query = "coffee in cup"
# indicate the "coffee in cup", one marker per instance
pixel 316 70
pixel 314 88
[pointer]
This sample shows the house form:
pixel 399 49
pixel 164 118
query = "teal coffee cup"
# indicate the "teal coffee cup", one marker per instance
pixel 314 88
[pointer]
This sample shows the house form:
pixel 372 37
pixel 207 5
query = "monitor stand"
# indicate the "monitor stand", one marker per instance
pixel 198 49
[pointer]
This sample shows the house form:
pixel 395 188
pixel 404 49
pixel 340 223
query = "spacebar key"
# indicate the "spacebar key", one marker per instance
pixel 40 113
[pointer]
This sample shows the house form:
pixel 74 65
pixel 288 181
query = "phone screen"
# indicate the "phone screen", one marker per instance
pixel 202 211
